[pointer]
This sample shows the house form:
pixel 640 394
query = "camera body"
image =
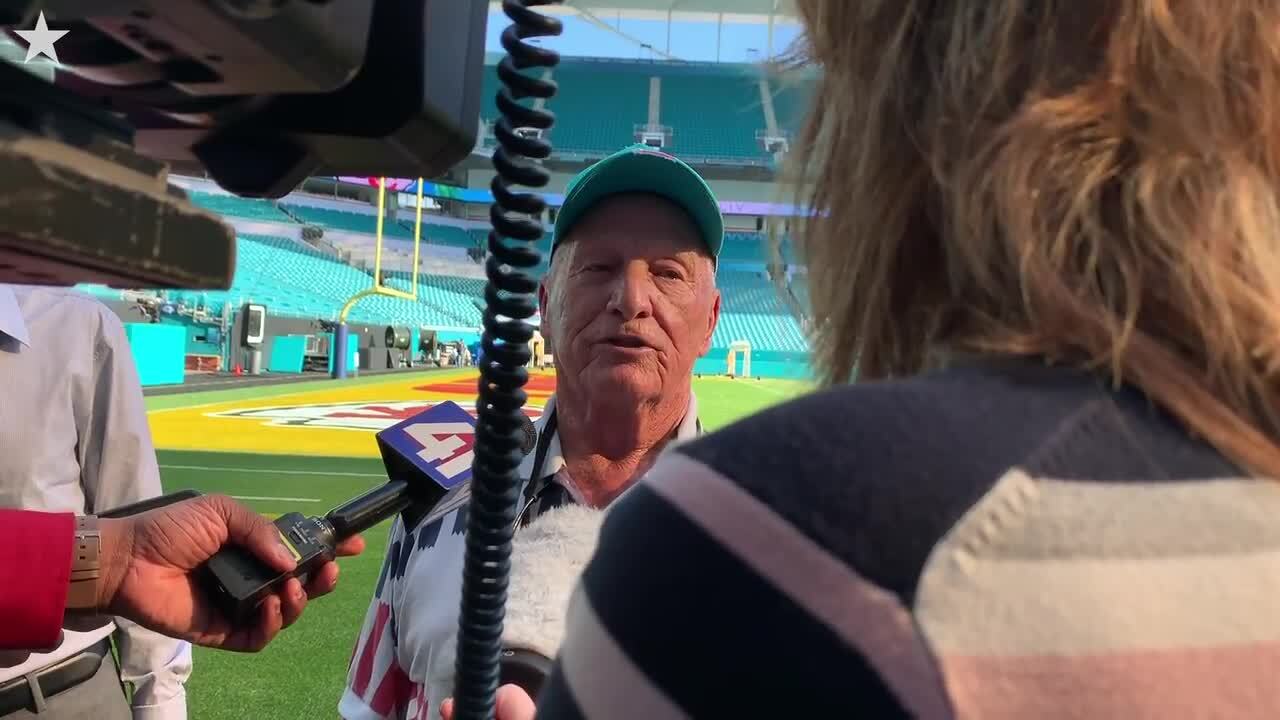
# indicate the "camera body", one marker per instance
pixel 257 94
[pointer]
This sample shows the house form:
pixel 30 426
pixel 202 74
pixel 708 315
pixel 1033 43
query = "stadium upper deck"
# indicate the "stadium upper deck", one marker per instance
pixel 705 113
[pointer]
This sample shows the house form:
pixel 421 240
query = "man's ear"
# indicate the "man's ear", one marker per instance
pixel 713 319
pixel 543 326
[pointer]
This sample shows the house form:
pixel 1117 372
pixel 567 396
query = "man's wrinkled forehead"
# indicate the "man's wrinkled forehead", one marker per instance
pixel 625 214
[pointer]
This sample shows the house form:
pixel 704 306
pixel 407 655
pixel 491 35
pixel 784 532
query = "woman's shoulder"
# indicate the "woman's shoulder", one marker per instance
pixel 864 468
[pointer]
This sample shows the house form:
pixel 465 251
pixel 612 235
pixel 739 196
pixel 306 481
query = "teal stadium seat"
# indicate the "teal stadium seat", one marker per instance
pixel 352 221
pixel 233 206
pixel 752 249
pixel 597 106
pixel 296 281
pixel 753 310
pixel 713 113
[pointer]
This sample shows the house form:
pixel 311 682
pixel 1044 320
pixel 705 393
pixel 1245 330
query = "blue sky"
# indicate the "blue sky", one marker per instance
pixel 689 40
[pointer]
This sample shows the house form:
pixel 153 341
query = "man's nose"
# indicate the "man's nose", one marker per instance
pixel 632 291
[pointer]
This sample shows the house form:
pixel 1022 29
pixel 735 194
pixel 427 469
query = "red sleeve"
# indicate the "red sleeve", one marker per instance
pixel 35 569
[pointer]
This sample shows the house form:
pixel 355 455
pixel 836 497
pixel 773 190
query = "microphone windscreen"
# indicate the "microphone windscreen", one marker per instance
pixel 547 558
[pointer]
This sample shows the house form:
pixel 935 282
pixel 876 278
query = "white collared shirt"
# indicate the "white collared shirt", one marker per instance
pixel 403 664
pixel 75 436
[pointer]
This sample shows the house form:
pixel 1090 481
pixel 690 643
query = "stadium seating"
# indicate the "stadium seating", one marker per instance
pixel 233 206
pixel 294 280
pixel 714 111
pixel 584 121
pixel 714 114
pixel 752 249
pixel 753 310
pixel 350 221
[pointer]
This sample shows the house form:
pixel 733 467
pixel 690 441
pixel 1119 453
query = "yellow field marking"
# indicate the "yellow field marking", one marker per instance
pixel 192 428
pixel 269 471
pixel 287 398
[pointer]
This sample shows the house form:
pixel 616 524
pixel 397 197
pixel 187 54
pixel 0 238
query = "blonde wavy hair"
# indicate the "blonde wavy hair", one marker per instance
pixel 1089 181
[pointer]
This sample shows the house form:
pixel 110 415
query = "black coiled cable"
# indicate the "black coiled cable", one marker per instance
pixel 510 300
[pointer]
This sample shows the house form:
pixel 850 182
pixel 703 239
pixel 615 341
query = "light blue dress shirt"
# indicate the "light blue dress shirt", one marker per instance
pixel 74 437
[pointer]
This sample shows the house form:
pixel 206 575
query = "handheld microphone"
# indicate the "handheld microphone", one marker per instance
pixel 427 457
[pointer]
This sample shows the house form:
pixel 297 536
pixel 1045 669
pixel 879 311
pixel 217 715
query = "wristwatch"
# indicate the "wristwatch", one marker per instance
pixel 86 565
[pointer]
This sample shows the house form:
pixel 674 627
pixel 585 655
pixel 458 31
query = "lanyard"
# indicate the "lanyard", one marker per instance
pixel 534 485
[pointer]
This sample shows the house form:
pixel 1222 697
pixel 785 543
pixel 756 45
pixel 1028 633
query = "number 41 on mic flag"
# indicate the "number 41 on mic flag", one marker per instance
pixel 437 442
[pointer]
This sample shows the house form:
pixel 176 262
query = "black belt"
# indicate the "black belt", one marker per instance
pixel 16 694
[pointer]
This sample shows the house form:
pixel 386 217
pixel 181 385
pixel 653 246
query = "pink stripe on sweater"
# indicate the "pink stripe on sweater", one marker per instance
pixel 1238 682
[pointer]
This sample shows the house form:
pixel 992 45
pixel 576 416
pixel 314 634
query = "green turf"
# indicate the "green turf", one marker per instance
pixel 302 673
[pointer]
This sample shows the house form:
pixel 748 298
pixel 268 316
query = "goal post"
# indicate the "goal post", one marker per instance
pixel 736 348
pixel 378 287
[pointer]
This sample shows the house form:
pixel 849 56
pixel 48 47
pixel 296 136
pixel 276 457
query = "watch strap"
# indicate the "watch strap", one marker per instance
pixel 86 565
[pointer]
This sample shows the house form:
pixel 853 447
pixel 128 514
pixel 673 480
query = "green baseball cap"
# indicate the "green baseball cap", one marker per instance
pixel 640 168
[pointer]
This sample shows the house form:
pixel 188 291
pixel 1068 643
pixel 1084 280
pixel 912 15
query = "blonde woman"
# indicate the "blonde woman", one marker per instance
pixel 1048 234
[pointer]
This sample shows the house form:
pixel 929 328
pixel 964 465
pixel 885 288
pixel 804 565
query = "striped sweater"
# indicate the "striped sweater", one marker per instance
pixel 998 540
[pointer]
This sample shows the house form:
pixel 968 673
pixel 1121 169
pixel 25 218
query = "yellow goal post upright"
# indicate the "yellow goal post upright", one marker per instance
pixel 340 334
pixel 739 347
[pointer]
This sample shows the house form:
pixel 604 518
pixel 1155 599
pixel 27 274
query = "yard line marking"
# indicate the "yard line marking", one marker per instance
pixel 774 391
pixel 265 471
pixel 282 499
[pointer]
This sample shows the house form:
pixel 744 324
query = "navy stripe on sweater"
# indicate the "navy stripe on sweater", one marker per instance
pixel 641 593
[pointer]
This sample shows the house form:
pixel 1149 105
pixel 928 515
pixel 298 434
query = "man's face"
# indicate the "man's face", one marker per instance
pixel 630 302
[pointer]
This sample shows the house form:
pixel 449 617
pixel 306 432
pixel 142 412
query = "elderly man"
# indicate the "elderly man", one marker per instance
pixel 629 304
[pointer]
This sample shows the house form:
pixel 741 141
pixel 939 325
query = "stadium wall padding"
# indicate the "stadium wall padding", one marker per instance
pixel 286 353
pixel 353 362
pixel 159 352
pixel 764 364
pixel 362 335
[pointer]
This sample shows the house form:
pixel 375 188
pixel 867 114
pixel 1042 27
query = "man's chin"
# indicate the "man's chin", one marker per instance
pixel 630 380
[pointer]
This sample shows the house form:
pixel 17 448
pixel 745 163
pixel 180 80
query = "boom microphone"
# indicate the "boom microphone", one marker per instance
pixel 547 558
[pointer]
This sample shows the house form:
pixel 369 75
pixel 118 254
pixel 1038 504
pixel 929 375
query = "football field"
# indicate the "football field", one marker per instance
pixel 307 447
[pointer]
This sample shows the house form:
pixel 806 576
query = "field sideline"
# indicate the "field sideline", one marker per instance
pixel 306 447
